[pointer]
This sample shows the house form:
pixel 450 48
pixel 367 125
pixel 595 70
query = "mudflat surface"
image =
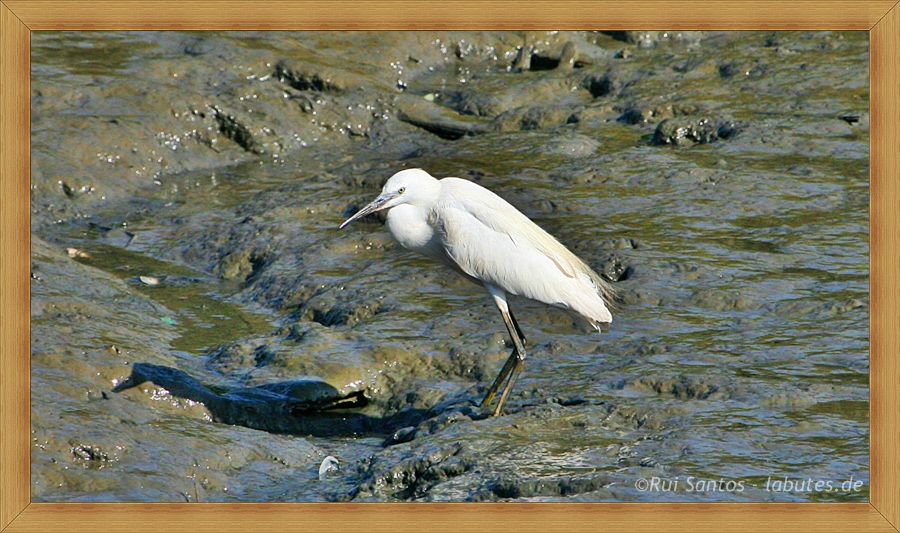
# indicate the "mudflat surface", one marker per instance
pixel 202 331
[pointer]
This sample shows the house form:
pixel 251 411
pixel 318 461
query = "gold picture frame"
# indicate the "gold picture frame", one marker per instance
pixel 18 18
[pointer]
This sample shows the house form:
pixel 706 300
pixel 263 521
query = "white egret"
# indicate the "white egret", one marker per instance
pixel 488 241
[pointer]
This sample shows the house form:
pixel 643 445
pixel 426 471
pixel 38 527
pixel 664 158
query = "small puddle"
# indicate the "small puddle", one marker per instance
pixel 199 312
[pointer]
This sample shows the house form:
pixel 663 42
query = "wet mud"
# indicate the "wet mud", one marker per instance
pixel 202 331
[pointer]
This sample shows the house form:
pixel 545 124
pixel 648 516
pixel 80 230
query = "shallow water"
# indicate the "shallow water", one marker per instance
pixel 738 356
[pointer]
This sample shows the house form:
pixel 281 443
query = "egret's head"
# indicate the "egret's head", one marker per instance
pixel 405 187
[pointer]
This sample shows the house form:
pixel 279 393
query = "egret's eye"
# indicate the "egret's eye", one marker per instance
pixel 402 190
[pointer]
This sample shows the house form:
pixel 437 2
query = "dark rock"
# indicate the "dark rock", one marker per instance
pixel 692 131
pixel 566 60
pixel 299 78
pixel 610 83
pixel 683 388
pixel 438 120
pixel 400 436
pixel 508 488
pixel 233 128
pixel 411 479
pixel 637 114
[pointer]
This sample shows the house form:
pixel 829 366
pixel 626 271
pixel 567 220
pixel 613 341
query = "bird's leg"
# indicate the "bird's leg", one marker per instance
pixel 516 361
pixel 511 368
pixel 495 386
pixel 519 366
pixel 516 324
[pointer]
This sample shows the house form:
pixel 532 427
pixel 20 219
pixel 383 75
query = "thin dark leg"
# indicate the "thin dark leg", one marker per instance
pixel 513 328
pixel 516 325
pixel 512 367
pixel 501 377
pixel 520 365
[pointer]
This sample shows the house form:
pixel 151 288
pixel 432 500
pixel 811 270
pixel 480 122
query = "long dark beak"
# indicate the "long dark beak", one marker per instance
pixel 376 205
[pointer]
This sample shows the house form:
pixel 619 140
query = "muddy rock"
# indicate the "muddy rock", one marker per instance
pixel 698 131
pixel 641 113
pixel 438 120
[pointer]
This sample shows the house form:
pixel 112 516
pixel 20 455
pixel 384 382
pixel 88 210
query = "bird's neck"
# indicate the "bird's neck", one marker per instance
pixel 409 226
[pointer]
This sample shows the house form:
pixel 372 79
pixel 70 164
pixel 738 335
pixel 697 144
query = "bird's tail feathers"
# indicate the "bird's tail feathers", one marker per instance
pixel 595 306
pixel 604 288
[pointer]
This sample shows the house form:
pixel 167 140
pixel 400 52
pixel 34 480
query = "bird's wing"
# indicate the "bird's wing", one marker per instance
pixel 487 211
pixel 490 240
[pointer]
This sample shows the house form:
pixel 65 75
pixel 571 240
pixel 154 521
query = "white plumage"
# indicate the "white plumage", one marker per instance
pixel 487 240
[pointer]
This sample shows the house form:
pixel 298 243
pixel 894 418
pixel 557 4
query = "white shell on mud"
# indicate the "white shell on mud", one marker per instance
pixel 329 464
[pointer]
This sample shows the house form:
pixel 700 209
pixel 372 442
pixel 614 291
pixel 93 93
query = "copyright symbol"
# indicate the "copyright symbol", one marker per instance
pixel 641 484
